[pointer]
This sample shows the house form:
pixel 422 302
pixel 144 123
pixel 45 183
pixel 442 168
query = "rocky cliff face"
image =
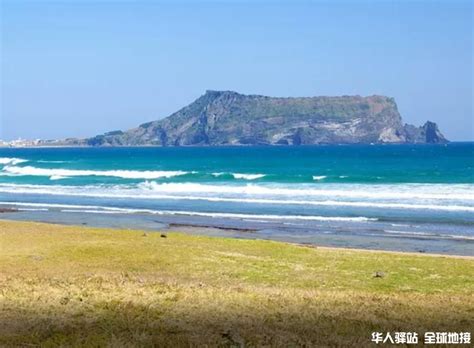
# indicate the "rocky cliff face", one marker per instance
pixel 230 118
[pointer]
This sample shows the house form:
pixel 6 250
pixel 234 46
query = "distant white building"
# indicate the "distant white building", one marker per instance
pixel 20 143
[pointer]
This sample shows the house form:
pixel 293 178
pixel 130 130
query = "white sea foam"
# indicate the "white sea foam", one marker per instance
pixel 271 217
pixel 8 174
pixel 247 176
pixel 455 236
pixel 143 192
pixel 112 210
pixel 33 209
pixel 58 177
pixel 11 160
pixel 49 205
pixel 239 175
pixel 126 174
pixel 411 232
pixel 320 177
pixel 91 211
pixel 429 234
pixel 398 192
pixel 45 161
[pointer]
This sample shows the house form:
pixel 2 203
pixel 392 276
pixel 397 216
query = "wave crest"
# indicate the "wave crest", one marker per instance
pixel 124 174
pixel 11 160
pixel 70 208
pixel 352 191
pixel 247 176
pixel 319 177
pixel 229 194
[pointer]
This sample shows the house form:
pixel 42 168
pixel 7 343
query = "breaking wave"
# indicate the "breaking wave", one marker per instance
pixel 11 160
pixel 58 177
pixel 320 177
pixel 429 235
pixel 397 192
pixel 70 208
pixel 125 174
pixel 247 176
pixel 239 175
pixel 248 194
pixel 47 161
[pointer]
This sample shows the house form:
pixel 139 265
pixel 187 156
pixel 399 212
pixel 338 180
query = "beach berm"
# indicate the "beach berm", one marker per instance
pixel 82 286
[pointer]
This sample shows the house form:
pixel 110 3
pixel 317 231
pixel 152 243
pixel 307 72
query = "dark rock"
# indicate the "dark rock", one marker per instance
pixel 163 235
pixel 428 133
pixel 379 274
pixel 432 133
pixel 8 210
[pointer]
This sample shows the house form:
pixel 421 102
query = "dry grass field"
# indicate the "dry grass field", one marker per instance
pixel 87 287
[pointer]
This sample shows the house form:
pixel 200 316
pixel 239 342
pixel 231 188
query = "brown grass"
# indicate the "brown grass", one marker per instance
pixel 76 286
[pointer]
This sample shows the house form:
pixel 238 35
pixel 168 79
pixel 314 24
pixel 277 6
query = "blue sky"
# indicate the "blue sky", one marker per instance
pixel 80 68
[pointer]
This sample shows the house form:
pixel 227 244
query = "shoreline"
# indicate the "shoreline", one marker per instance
pixel 197 228
pixel 377 251
pixel 190 230
pixel 298 195
pixel 353 235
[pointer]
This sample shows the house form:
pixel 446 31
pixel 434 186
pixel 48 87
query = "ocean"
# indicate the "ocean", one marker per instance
pixel 391 197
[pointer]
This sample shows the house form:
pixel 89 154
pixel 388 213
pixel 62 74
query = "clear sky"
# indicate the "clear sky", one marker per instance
pixel 80 68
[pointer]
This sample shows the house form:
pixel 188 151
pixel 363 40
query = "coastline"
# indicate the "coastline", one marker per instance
pixel 296 194
pixel 241 229
pixel 234 145
pixel 376 251
pixel 205 231
pixel 208 231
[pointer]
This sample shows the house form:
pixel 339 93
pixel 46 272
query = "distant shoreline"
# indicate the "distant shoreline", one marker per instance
pixel 231 146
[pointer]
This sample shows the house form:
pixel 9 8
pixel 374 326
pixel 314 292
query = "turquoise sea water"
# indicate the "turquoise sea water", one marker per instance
pixel 403 197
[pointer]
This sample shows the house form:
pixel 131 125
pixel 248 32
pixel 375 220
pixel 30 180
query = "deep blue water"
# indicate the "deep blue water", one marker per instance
pixel 407 197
